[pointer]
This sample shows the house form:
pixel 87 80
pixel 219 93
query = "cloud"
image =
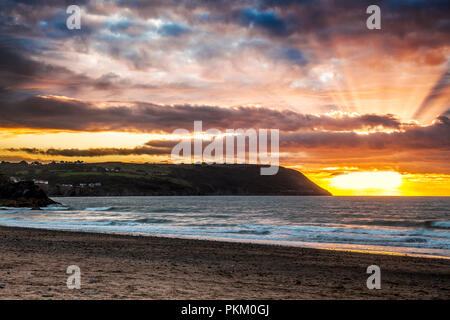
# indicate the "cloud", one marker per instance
pixel 154 66
pixel 435 136
pixel 169 144
pixel 268 21
pixel 17 70
pixel 173 30
pixel 52 112
pixel 293 55
pixel 169 41
pixel 94 152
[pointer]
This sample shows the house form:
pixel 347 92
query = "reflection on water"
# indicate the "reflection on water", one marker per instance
pixel 414 225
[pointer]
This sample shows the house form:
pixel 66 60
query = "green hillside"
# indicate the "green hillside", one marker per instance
pixel 130 179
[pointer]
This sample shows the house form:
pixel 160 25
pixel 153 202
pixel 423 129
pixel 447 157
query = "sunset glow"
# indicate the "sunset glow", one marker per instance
pixel 341 95
pixel 378 182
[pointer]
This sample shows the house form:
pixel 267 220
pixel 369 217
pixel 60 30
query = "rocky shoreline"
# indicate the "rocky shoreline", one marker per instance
pixel 22 194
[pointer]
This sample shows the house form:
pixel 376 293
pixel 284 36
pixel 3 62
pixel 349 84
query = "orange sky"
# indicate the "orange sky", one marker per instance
pixel 345 99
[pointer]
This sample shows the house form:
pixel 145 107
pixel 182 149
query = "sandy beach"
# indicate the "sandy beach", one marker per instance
pixel 33 265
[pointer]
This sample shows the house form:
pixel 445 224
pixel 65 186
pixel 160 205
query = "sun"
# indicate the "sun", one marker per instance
pixel 367 183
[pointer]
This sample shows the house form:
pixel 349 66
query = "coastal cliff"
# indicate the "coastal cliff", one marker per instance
pixel 149 179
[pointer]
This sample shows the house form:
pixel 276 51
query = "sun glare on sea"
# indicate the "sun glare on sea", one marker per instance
pixel 368 183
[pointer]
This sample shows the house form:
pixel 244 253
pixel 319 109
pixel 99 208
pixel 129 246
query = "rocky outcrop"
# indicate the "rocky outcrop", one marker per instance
pixel 22 194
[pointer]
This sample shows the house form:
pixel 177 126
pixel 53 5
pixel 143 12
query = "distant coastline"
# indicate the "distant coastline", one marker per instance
pixel 72 179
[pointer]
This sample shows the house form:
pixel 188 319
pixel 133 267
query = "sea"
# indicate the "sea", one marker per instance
pixel 418 226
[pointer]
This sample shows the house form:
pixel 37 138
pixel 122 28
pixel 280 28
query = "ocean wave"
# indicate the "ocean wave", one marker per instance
pixel 152 220
pixel 403 223
pixel 99 209
pixel 223 216
pixel 374 232
pixel 389 223
pixel 205 225
pixel 440 224
pixel 169 210
pixel 416 240
pixel 257 232
pixel 15 208
pixel 344 238
pixel 114 223
pixel 55 207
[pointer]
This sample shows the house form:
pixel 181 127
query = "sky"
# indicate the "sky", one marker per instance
pixel 360 112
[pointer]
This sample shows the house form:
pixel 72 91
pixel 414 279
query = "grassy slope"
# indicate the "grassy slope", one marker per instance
pixel 163 179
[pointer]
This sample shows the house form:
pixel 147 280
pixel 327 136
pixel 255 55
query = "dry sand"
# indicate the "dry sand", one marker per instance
pixel 33 266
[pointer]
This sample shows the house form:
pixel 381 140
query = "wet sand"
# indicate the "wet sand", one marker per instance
pixel 33 265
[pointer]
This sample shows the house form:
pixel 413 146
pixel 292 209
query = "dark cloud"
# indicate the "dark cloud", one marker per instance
pixel 291 24
pixel 119 26
pixel 435 136
pixel 417 4
pixel 16 69
pixel 275 17
pixel 94 152
pixel 55 113
pixel 292 55
pixel 173 30
pixel 162 143
pixel 286 53
pixel 268 21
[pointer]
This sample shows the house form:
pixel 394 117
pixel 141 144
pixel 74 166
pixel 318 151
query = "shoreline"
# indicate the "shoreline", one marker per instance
pixel 33 266
pixel 304 245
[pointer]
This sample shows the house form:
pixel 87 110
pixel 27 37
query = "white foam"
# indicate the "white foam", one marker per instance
pixel 441 224
pixel 98 209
